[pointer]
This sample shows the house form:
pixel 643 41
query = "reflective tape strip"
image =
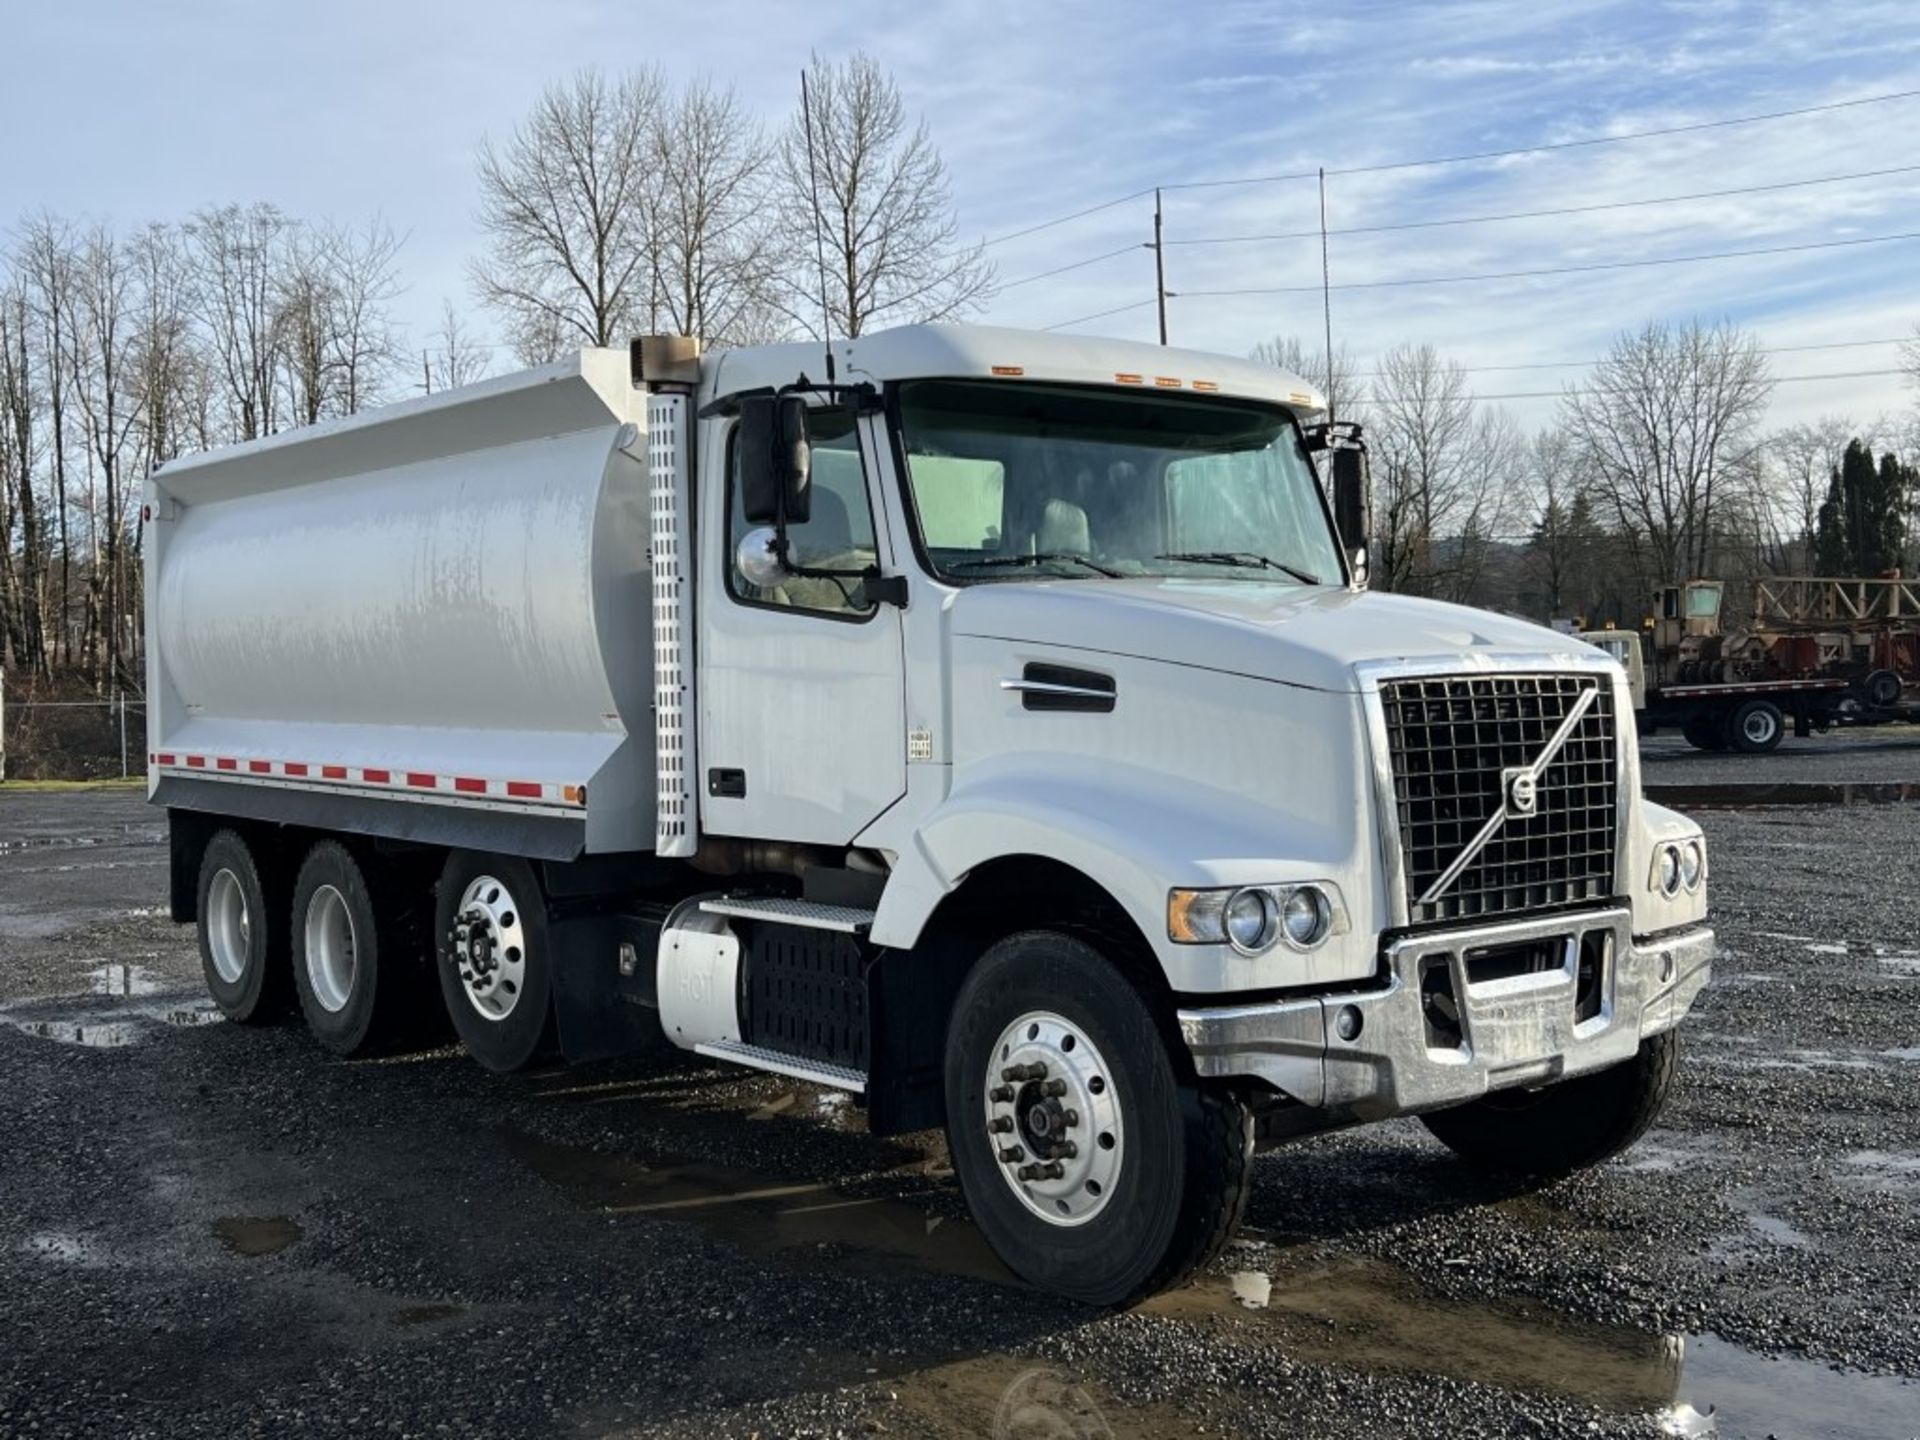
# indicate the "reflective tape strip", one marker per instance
pixel 572 796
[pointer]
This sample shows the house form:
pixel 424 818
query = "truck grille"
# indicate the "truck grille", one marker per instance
pixel 1451 739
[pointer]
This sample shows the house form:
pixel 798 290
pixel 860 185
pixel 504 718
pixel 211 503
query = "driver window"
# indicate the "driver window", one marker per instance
pixel 838 533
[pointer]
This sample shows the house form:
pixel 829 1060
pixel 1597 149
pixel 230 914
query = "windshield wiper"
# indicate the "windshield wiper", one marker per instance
pixel 1041 557
pixel 1245 559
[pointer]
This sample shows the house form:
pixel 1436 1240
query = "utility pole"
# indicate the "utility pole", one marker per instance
pixel 1326 292
pixel 1159 266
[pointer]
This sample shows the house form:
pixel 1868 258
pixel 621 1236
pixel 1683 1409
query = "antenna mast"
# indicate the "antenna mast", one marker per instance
pixel 819 237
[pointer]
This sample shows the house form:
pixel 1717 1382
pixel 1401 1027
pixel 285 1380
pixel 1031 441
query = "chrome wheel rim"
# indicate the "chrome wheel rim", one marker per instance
pixel 1053 1118
pixel 229 926
pixel 330 949
pixel 1759 726
pixel 489 948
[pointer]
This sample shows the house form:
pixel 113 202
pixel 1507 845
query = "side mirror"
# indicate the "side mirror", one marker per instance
pixel 1353 504
pixel 775 460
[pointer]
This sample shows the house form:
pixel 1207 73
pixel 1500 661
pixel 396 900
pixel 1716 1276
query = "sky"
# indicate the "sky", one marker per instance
pixel 133 112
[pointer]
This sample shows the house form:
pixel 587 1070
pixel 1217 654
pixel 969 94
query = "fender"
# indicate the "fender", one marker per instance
pixel 1136 832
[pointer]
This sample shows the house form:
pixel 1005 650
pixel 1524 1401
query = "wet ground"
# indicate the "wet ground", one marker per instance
pixel 213 1230
pixel 1883 753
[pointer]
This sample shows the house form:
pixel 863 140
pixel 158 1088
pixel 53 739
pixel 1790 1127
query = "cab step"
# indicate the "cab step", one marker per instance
pixel 806 914
pixel 839 1077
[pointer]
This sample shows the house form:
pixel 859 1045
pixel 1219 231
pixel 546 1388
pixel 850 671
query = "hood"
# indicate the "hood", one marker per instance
pixel 1307 635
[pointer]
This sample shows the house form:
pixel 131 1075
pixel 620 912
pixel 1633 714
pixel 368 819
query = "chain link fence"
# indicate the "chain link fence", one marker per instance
pixel 71 739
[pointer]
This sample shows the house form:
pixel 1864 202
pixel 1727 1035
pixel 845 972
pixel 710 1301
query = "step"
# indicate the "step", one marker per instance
pixel 804 913
pixel 800 1068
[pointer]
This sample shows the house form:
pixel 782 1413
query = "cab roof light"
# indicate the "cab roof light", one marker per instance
pixel 1167 382
pixel 1124 378
pixel 1009 369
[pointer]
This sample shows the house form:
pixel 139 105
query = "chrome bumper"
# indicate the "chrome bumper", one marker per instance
pixel 1375 1053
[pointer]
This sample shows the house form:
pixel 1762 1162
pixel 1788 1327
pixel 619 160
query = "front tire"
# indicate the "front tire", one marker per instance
pixel 1566 1127
pixel 243 932
pixel 1706 732
pixel 494 953
pixel 1105 1175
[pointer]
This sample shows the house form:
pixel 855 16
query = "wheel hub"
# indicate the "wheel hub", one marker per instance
pixel 488 945
pixel 1053 1118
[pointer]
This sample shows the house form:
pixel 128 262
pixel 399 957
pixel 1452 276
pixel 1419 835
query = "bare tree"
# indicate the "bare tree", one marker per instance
pixel 565 205
pixel 886 219
pixel 238 258
pixel 1806 457
pixel 47 258
pixel 1340 384
pixel 363 349
pixel 1446 474
pixel 22 582
pixel 714 236
pixel 1663 426
pixel 454 358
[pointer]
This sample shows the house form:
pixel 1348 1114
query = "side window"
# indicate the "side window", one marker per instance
pixel 838 534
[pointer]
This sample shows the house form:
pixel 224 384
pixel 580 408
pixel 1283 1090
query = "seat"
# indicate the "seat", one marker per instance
pixel 1063 530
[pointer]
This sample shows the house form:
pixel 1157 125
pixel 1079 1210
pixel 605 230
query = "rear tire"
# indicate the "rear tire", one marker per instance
pixel 1756 727
pixel 1566 1127
pixel 350 956
pixel 1171 1162
pixel 494 954
pixel 243 933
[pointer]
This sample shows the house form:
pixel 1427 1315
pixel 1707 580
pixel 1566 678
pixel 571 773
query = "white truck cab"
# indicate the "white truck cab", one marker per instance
pixel 994 725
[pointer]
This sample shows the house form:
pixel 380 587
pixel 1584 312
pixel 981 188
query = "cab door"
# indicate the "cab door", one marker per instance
pixel 801 691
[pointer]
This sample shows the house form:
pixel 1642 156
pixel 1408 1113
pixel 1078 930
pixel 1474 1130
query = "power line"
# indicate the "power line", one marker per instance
pixel 1082 264
pixel 1543 214
pixel 1556 269
pixel 1100 314
pixel 1777 380
pixel 1581 364
pixel 1540 149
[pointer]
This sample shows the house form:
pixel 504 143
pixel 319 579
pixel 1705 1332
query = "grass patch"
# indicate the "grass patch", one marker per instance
pixel 42 787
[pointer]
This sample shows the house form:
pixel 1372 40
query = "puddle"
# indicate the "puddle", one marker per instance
pixel 761 1215
pixel 1001 1397
pixel 124 980
pixel 256 1235
pixel 114 1028
pixel 431 1314
pixel 1363 1314
pixel 1252 1288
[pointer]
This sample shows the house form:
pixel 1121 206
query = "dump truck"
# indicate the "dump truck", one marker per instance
pixel 994 726
pixel 1816 653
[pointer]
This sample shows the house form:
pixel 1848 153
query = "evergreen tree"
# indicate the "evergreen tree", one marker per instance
pixel 1831 549
pixel 1858 486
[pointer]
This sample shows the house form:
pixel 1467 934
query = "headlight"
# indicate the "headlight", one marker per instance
pixel 1251 920
pixel 1668 870
pixel 1254 918
pixel 1307 917
pixel 1693 864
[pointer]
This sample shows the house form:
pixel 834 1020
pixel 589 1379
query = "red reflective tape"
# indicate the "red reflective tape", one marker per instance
pixel 467 785
pixel 163 759
pixel 425 782
pixel 197 762
pixel 376 777
pixel 260 767
pixel 523 789
pixel 224 763
pixel 333 772
pixel 294 767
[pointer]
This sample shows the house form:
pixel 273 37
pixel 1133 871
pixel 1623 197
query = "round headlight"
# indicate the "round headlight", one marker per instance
pixel 1693 860
pixel 1250 920
pixel 1306 917
pixel 1669 869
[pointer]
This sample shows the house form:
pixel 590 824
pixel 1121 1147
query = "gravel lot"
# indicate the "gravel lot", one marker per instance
pixel 214 1230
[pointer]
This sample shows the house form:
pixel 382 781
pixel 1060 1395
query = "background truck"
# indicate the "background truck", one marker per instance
pixel 1815 653
pixel 991 725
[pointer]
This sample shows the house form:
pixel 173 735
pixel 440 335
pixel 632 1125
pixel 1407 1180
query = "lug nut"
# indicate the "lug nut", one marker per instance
pixel 1000 1124
pixel 1012 1155
pixel 1065 1149
pixel 1052 1170
pixel 1055 1088
pixel 1070 1117
pixel 1027 1172
pixel 1001 1094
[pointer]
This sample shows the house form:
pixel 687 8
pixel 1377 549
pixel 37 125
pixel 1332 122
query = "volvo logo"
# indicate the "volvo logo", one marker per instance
pixel 1523 790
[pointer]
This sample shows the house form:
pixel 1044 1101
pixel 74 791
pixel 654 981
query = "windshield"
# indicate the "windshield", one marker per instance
pixel 1017 480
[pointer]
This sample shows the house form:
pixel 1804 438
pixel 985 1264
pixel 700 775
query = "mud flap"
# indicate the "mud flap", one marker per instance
pixel 601 1011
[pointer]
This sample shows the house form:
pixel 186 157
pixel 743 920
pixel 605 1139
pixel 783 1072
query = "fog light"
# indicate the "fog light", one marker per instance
pixel 1251 921
pixel 1306 917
